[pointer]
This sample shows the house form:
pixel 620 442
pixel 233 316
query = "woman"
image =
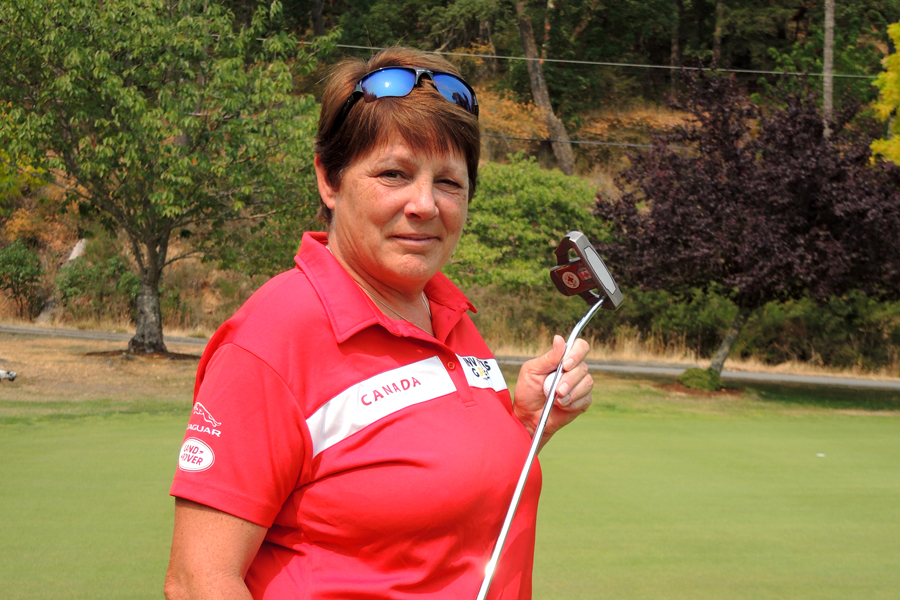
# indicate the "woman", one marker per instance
pixel 352 436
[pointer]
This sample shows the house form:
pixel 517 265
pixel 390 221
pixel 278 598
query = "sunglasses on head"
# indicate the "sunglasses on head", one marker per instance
pixel 395 82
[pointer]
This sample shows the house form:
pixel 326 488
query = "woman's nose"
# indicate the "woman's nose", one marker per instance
pixel 422 204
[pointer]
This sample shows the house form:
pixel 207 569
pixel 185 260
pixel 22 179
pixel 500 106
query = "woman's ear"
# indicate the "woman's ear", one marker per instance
pixel 327 192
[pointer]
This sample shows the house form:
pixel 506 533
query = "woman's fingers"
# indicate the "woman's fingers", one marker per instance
pixel 575 381
pixel 578 396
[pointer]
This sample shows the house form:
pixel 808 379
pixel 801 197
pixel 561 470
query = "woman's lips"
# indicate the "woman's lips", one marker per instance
pixel 416 238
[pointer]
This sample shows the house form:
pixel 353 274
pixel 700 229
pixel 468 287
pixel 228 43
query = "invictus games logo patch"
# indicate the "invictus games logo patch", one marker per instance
pixel 479 368
pixel 195 456
pixel 482 372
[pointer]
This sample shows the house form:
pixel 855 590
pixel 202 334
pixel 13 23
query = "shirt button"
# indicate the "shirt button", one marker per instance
pixel 451 365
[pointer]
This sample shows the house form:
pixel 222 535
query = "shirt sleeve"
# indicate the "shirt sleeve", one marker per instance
pixel 246 440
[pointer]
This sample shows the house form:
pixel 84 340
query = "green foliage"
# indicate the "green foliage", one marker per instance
pixel 169 118
pixel 518 215
pixel 20 276
pixel 701 379
pixel 852 330
pixel 13 184
pixel 888 84
pixel 693 321
pixel 385 22
pixel 855 54
pixel 108 286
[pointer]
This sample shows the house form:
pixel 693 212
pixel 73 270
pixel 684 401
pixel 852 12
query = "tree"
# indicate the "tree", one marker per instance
pixel 860 32
pixel 888 84
pixel 20 275
pixel 163 119
pixel 562 148
pixel 764 206
pixel 828 67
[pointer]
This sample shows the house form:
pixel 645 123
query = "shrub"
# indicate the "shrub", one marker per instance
pixel 852 330
pixel 517 218
pixel 88 290
pixel 701 379
pixel 20 276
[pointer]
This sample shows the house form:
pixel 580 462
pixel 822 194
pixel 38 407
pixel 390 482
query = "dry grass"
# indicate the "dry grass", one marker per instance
pixel 58 377
pixel 753 365
pixel 60 369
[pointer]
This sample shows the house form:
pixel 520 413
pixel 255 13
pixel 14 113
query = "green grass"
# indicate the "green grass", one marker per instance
pixel 649 495
pixel 29 413
pixel 84 505
pixel 698 506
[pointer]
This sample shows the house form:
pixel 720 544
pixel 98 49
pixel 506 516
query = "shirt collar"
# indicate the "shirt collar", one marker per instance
pixel 350 311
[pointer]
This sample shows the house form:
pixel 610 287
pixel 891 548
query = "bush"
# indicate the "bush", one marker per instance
pixel 853 330
pixel 517 218
pixel 20 276
pixel 88 290
pixel 701 379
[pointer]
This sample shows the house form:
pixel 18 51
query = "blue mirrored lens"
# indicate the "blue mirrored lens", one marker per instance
pixel 455 91
pixel 387 83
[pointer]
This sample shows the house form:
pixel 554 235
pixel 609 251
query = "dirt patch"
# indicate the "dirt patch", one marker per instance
pixel 680 388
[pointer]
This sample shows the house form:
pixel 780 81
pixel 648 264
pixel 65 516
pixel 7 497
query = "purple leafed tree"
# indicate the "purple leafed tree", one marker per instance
pixel 763 206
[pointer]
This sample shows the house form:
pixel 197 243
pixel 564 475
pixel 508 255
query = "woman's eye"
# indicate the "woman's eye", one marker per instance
pixel 392 174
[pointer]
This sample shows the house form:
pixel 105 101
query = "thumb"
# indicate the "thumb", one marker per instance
pixel 551 362
pixel 547 363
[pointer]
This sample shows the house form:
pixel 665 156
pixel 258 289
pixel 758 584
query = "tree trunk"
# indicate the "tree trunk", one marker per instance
pixel 828 69
pixel 484 32
pixel 731 337
pixel 148 336
pixel 675 56
pixel 551 6
pixel 562 149
pixel 318 23
pixel 717 36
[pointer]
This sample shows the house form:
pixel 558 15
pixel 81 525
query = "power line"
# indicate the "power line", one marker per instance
pixel 626 65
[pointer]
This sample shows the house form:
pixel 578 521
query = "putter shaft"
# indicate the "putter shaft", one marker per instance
pixel 535 442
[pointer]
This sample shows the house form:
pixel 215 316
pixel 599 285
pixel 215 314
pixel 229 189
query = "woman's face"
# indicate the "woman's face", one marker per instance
pixel 398 214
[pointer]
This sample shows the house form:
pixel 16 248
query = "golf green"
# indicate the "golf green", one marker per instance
pixel 637 503
pixel 85 507
pixel 694 506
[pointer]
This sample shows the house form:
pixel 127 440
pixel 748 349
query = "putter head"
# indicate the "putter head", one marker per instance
pixel 585 275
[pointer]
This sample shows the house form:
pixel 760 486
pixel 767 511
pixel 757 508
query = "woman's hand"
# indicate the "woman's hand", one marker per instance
pixel 573 394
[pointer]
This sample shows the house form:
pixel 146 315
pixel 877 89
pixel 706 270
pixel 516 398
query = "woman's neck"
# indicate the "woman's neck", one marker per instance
pixel 409 305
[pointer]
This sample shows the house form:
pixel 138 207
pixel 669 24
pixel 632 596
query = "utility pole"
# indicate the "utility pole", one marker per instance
pixel 828 68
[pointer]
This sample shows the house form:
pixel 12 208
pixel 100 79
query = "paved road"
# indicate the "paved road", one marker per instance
pixel 640 368
pixel 92 335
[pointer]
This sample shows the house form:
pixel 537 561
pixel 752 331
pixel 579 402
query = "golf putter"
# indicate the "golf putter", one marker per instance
pixel 587 276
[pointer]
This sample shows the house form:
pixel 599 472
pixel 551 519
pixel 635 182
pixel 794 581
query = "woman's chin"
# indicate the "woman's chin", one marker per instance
pixel 413 271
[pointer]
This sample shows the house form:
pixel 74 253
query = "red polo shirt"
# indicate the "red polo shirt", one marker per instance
pixel 381 459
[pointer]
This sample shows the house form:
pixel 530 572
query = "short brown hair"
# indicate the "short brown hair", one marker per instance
pixel 427 121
